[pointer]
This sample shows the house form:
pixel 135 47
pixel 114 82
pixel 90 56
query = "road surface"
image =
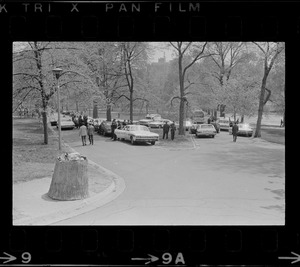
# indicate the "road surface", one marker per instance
pixel 211 181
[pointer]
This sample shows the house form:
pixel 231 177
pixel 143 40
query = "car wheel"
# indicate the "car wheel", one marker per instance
pixel 153 143
pixel 131 140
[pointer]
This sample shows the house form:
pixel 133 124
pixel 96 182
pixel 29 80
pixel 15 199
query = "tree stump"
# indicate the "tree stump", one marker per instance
pixel 70 179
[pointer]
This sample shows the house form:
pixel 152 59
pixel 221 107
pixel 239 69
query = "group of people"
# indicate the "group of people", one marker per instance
pixel 80 120
pixel 166 128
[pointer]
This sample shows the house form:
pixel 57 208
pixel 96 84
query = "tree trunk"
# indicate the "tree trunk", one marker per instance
pixel 147 108
pixel 45 126
pixel 131 105
pixel 257 132
pixel 95 111
pixel 181 118
pixel 181 88
pixel 69 180
pixel 108 112
pixel 77 108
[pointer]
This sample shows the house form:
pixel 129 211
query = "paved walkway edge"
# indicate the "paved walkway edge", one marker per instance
pixel 81 206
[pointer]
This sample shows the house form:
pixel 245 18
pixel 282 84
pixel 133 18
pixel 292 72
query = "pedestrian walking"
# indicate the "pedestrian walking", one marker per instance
pixel 80 121
pixel 113 127
pixel 235 129
pixel 90 132
pixel 166 128
pixel 173 129
pixel 85 119
pixel 83 133
pixel 208 120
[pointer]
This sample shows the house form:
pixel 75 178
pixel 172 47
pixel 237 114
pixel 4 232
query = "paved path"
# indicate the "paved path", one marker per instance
pixel 211 182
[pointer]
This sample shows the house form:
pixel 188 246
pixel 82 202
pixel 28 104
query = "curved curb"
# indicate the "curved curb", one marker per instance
pixel 81 206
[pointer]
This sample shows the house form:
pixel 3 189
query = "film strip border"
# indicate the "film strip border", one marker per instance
pixel 150 20
pixel 162 245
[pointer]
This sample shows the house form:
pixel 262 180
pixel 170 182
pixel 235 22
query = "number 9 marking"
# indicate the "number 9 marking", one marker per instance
pixel 167 258
pixel 26 256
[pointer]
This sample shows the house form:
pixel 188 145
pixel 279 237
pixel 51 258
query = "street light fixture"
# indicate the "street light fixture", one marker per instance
pixel 57 72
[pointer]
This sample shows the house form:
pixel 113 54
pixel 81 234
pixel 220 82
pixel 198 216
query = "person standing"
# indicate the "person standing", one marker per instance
pixel 166 128
pixel 119 125
pixel 235 130
pixel 82 133
pixel 113 127
pixel 90 132
pixel 173 129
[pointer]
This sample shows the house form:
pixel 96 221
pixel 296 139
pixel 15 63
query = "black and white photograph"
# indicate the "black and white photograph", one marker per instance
pixel 148 133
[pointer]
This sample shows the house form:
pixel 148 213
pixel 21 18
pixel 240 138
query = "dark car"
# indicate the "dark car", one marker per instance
pixel 104 128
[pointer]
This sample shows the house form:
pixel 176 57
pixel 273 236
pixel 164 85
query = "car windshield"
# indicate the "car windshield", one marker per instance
pixel 205 126
pixel 138 128
pixel 244 126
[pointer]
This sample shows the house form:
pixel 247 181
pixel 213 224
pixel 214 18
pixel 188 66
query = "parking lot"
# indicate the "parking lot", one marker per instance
pixel 201 181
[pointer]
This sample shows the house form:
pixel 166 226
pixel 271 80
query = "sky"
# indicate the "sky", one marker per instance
pixel 160 48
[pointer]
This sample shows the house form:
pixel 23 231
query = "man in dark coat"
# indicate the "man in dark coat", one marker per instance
pixel 166 128
pixel 113 127
pixel 235 130
pixel 173 129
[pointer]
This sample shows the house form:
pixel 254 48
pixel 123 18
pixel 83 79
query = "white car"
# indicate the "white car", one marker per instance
pixel 206 130
pixel 66 124
pixel 136 133
pixel 225 124
pixel 159 123
pixel 244 129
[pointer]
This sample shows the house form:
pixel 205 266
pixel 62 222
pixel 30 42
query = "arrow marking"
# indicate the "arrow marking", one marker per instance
pixel 151 259
pixel 296 259
pixel 9 258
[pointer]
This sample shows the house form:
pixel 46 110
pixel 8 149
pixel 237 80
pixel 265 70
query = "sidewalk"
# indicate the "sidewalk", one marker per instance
pixel 32 206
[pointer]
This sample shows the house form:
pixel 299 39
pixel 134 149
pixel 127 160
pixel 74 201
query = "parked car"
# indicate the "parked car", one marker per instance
pixel 159 123
pixel 193 128
pixel 66 124
pixel 145 122
pixel 225 124
pixel 53 121
pixel 244 130
pixel 136 133
pixel 153 116
pixel 206 130
pixel 105 128
pixel 186 124
pixel 149 118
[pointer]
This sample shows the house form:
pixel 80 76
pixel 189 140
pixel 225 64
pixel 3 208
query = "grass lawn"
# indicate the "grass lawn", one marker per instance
pixel 33 159
pixel 274 135
pixel 179 140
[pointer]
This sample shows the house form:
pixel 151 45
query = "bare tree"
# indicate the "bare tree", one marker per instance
pixel 188 53
pixel 32 72
pixel 134 56
pixel 270 52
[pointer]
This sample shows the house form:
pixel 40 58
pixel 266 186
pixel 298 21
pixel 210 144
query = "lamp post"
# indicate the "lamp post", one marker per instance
pixel 57 72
